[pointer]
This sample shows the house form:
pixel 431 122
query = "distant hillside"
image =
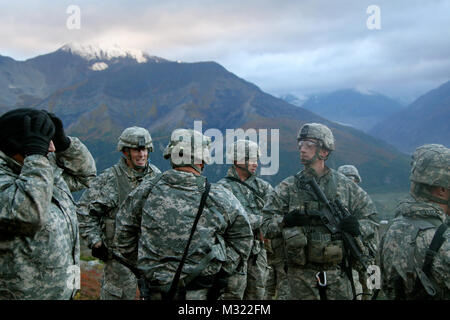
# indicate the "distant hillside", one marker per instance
pixel 361 110
pixel 426 120
pixel 160 95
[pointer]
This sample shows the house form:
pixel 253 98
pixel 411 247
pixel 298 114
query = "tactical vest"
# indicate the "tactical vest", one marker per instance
pixel 123 186
pixel 312 244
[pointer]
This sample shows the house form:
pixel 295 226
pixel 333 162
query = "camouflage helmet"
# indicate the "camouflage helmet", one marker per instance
pixel 188 147
pixel 350 171
pixel 431 165
pixel 135 137
pixel 317 131
pixel 242 150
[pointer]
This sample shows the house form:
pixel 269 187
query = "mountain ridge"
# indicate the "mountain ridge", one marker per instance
pixel 97 105
pixel 424 121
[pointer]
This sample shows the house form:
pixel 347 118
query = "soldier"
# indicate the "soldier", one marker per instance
pixel 39 168
pixel 314 256
pixel 350 172
pixel 98 206
pixel 155 222
pixel 251 192
pixel 415 250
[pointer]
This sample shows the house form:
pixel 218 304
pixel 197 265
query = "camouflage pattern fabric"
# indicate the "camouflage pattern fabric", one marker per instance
pixel 39 257
pixel 257 265
pixel 277 286
pixel 154 223
pixel 431 165
pixel 97 210
pixel 403 249
pixel 135 137
pixel 310 248
pixel 317 131
pixel 350 171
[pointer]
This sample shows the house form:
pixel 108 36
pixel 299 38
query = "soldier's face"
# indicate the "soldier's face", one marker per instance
pixel 252 165
pixel 51 147
pixel 307 149
pixel 139 157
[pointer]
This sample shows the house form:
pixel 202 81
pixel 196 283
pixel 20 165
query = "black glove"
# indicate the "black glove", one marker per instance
pixel 350 224
pixel 101 252
pixel 38 131
pixel 60 140
pixel 220 283
pixel 295 218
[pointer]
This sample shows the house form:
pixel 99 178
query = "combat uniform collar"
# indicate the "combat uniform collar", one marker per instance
pixel 130 172
pixel 185 180
pixel 418 207
pixel 311 173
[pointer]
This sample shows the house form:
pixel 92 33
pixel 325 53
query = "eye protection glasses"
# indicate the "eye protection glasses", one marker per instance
pixel 308 144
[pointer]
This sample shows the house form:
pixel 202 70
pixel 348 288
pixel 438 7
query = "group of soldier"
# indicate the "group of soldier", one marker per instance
pixel 174 235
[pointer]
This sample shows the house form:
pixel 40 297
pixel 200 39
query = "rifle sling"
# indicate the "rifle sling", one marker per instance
pixel 256 192
pixel 435 245
pixel 176 279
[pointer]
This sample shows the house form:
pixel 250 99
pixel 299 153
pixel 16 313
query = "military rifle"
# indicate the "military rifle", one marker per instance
pixel 331 219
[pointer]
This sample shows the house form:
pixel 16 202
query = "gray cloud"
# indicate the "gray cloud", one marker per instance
pixel 300 47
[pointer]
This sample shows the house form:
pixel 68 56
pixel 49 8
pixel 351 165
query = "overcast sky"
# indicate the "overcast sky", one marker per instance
pixel 298 47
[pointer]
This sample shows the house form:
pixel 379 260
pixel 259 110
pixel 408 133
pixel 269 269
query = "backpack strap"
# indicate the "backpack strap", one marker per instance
pixel 436 243
pixel 425 274
pixel 256 192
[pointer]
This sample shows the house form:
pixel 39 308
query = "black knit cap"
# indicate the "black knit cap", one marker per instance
pixel 11 129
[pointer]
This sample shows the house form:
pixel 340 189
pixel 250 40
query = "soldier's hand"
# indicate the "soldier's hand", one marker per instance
pixel 100 252
pixel 350 224
pixel 38 132
pixel 295 218
pixel 61 141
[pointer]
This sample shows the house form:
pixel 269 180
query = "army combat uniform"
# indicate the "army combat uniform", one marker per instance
pixel 312 248
pixel 369 228
pixel 39 255
pixel 403 251
pixel 415 250
pixel 155 221
pixel 257 266
pixel 97 210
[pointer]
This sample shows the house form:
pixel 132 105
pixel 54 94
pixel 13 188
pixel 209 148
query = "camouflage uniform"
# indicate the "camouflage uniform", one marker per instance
pixel 311 248
pixel 39 257
pixel 97 210
pixel 155 221
pixel 350 172
pixel 369 228
pixel 406 242
pixel 257 265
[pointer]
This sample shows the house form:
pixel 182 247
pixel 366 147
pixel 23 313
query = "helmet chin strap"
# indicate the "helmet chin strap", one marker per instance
pixel 421 191
pixel 196 168
pixel 135 166
pixel 313 159
pixel 245 168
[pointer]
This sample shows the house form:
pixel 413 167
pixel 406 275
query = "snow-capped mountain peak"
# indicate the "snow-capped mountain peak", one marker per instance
pixel 97 52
